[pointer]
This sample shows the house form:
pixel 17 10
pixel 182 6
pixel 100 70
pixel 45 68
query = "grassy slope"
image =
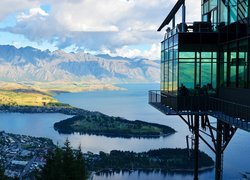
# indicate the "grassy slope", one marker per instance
pixel 22 95
pixel 38 94
pixel 25 98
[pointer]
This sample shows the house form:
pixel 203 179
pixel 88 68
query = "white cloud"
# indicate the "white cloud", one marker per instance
pixel 152 54
pixel 33 12
pixel 98 24
pixel 7 7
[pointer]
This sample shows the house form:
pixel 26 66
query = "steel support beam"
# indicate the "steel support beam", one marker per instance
pixel 196 147
pixel 218 154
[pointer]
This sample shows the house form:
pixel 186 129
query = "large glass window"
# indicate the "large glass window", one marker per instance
pixel 198 69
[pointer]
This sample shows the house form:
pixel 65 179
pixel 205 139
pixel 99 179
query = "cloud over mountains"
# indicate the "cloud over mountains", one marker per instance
pixel 90 24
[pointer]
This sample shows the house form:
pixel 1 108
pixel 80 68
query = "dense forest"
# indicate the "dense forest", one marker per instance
pixel 101 124
pixel 162 159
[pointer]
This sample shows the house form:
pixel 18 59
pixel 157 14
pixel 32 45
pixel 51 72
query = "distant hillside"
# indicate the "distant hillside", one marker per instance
pixel 32 65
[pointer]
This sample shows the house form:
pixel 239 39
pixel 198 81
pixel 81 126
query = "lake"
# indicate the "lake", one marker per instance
pixel 130 104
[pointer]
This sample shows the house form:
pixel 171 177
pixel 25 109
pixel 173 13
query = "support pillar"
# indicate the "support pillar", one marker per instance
pixel 196 147
pixel 218 158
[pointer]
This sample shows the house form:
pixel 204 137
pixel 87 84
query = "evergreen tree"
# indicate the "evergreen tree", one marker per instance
pixel 79 164
pixel 2 176
pixel 63 164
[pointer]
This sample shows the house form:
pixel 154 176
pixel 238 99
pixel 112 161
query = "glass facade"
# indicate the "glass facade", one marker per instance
pixel 234 64
pixel 224 12
pixel 191 69
pixel 169 65
pixel 184 63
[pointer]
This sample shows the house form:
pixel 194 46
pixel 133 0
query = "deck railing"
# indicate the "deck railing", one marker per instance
pixel 209 104
pixel 230 108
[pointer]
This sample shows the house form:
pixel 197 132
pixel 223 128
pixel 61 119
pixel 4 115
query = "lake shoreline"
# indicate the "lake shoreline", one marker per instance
pixel 202 169
pixel 67 110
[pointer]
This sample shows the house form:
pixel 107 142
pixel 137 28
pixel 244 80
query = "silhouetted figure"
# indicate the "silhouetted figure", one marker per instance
pixel 204 90
pixel 184 91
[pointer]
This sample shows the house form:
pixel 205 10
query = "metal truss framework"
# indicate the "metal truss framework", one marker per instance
pixel 220 138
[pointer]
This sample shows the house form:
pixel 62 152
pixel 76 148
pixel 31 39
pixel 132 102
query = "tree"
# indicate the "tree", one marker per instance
pixel 63 164
pixel 2 176
pixel 79 164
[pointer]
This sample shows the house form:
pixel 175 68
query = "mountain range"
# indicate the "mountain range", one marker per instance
pixel 33 65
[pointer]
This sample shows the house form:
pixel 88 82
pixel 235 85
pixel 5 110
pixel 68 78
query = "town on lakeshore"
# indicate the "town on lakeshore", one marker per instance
pixel 23 154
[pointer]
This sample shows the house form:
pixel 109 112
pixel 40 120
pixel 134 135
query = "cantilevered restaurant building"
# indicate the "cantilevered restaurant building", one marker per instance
pixel 205 71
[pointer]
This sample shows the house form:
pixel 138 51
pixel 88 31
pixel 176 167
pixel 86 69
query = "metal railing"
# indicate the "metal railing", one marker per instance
pixel 212 105
pixel 154 96
pixel 191 27
pixel 230 108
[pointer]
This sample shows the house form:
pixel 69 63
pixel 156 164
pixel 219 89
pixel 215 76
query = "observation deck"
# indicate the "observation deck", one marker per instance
pixel 237 115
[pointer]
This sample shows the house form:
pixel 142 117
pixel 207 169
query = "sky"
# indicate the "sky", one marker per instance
pixel 126 28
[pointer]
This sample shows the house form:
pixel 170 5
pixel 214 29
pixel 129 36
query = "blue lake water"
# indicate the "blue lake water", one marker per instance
pixel 131 104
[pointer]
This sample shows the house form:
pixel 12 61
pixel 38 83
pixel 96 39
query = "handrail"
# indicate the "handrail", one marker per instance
pixel 206 103
pixel 189 28
pixel 225 101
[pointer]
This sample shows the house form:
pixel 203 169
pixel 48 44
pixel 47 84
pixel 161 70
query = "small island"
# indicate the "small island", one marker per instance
pixel 166 159
pixel 101 124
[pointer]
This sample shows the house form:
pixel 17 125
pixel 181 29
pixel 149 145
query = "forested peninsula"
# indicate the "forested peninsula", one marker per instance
pixel 101 124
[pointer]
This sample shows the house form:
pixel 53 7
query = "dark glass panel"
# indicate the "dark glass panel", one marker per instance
pixel 170 76
pixel 186 74
pixel 171 41
pixel 214 73
pixel 166 55
pixel 187 60
pixel 162 77
pixel 225 57
pixel 198 73
pixel 205 7
pixel 170 54
pixel 242 81
pixel 233 10
pixel 187 55
pixel 166 43
pixel 233 69
pixel 206 55
pixel 223 12
pixel 166 76
pixel 214 55
pixel 176 39
pixel 175 52
pixel 223 74
pixel 162 56
pixel 205 73
pixel 175 75
pixel 242 9
pixel 206 60
pixel 162 45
